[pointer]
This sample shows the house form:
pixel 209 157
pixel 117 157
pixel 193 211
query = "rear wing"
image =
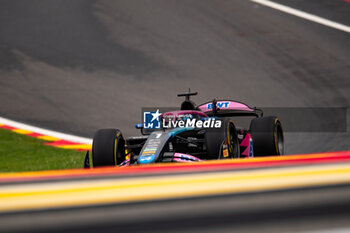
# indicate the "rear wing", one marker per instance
pixel 228 108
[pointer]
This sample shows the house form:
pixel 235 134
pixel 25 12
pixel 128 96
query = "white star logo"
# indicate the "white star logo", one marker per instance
pixel 155 115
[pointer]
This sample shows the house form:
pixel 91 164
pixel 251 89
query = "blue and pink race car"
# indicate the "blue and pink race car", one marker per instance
pixel 192 133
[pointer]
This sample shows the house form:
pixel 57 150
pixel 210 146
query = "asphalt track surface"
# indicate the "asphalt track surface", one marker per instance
pixel 77 66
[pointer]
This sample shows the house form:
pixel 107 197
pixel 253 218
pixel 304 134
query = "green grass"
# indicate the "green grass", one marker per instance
pixel 23 153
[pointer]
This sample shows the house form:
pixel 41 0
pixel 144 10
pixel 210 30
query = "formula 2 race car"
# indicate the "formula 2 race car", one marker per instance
pixel 193 133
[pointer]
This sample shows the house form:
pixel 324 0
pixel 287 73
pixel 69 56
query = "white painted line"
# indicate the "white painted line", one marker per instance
pixel 304 15
pixel 51 133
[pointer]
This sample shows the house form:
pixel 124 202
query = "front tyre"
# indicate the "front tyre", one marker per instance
pixel 222 142
pixel 267 135
pixel 108 148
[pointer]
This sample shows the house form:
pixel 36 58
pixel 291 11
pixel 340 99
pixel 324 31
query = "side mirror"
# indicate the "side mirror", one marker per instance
pixel 143 131
pixel 139 126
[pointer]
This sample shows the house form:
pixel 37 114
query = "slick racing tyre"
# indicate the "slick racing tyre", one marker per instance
pixel 222 142
pixel 108 148
pixel 267 135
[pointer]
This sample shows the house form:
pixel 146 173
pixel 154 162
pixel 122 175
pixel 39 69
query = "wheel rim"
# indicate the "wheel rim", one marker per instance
pixel 280 140
pixel 233 142
pixel 119 151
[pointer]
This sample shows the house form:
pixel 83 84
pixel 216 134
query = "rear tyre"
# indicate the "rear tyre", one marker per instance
pixel 222 140
pixel 108 148
pixel 267 135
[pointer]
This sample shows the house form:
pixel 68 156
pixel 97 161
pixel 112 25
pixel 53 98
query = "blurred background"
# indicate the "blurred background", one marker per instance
pixel 80 65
